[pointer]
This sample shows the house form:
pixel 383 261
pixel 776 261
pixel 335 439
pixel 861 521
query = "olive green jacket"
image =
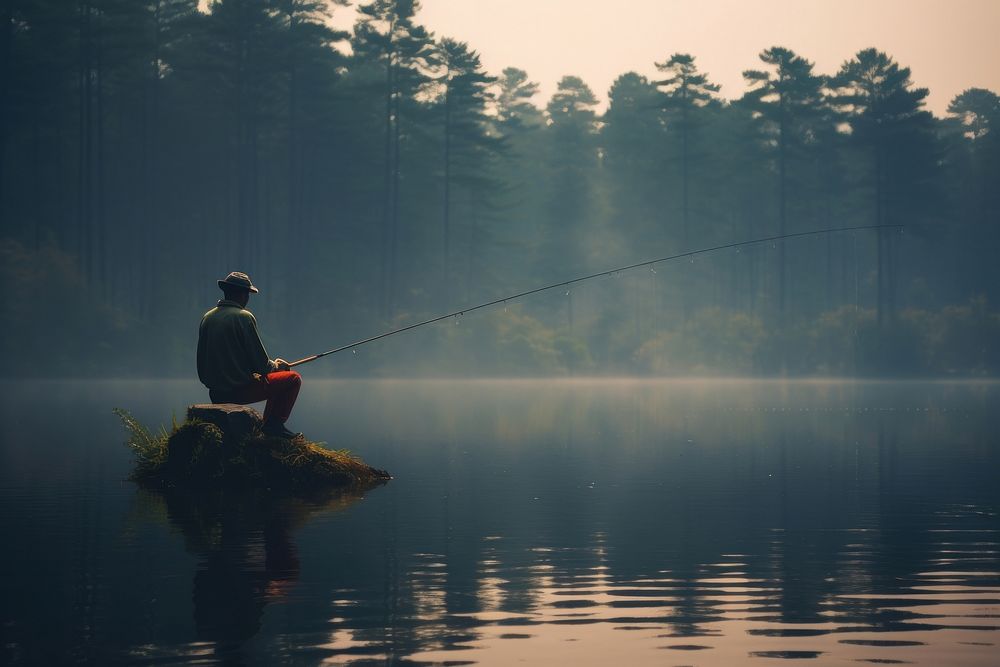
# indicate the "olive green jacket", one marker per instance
pixel 229 348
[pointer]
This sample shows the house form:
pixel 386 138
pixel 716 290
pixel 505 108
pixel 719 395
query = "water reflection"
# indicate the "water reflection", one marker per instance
pixel 551 523
pixel 730 525
pixel 586 608
pixel 247 557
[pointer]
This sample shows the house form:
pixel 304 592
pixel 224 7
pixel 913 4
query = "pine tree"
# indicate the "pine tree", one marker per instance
pixel 788 101
pixel 972 130
pixel 386 32
pixel 515 109
pixel 686 93
pixel 467 144
pixel 978 112
pixel 522 125
pixel 632 141
pixel 571 160
pixel 312 63
pixel 889 123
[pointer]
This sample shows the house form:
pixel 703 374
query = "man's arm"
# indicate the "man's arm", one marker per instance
pixel 202 357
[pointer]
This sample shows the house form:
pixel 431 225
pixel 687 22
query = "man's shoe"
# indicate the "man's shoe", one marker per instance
pixel 277 430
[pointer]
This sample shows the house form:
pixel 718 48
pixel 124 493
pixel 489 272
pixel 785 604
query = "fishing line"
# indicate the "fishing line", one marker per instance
pixel 565 283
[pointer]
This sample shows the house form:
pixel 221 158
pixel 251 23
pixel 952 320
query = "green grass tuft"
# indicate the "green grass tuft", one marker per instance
pixel 150 450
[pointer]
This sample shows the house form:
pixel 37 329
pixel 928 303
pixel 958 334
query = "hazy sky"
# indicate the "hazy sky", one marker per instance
pixel 950 45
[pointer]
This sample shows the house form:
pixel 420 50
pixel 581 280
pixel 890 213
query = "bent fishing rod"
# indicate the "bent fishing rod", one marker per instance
pixel 591 276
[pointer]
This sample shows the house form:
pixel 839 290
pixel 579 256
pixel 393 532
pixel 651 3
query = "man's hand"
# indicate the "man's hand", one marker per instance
pixel 282 365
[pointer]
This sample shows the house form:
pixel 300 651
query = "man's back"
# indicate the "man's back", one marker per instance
pixel 229 348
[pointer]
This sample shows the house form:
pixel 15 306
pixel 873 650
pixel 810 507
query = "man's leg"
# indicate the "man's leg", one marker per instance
pixel 282 390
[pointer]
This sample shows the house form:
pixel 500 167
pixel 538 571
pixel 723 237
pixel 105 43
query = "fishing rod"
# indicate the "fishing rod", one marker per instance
pixel 565 283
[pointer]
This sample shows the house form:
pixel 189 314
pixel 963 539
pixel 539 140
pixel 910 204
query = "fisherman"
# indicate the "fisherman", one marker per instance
pixel 233 364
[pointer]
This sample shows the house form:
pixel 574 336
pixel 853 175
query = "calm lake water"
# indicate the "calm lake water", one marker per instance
pixel 530 522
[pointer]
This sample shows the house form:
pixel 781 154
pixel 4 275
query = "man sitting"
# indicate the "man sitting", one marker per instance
pixel 233 364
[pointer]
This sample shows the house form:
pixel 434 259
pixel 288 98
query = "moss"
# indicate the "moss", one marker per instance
pixel 196 454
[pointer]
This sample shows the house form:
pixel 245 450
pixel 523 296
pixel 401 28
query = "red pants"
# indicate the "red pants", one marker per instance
pixel 280 392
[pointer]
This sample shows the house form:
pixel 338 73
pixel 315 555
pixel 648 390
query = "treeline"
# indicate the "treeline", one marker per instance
pixel 368 178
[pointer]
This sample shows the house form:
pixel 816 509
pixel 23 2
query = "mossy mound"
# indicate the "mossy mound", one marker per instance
pixel 198 453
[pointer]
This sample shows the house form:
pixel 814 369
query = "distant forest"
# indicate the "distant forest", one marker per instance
pixel 371 178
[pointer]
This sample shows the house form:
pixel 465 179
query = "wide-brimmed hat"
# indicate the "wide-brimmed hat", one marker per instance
pixel 240 280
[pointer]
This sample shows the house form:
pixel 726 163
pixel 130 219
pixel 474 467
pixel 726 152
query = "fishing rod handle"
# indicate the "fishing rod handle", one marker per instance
pixel 304 361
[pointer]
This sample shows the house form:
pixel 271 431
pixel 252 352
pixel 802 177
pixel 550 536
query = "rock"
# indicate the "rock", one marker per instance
pixel 235 421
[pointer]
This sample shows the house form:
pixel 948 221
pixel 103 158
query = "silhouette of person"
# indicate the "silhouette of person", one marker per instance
pixel 234 365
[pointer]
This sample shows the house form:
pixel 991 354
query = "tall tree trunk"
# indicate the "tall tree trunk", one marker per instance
pixel 387 186
pixel 394 208
pixel 6 49
pixel 293 156
pixel 782 228
pixel 892 272
pixel 150 158
pixel 100 221
pixel 36 179
pixel 826 222
pixel 475 253
pixel 782 209
pixel 685 229
pixel 685 225
pixel 245 226
pixel 252 192
pixel 879 244
pixel 84 154
pixel 294 169
pixel 751 256
pixel 828 260
pixel 447 197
